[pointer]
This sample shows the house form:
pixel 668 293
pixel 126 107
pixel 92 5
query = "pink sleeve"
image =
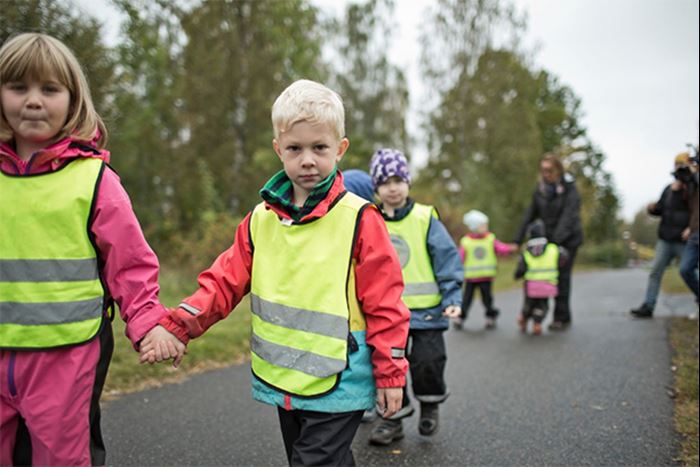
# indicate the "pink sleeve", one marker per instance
pixel 462 252
pixel 379 288
pixel 503 249
pixel 130 267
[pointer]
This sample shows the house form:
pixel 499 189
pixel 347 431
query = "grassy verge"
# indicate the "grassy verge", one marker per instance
pixel 683 336
pixel 672 282
pixel 224 344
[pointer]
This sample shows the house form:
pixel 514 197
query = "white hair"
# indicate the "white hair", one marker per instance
pixel 475 219
pixel 306 100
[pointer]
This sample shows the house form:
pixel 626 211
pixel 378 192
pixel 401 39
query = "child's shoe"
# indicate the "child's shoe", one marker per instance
pixel 490 323
pixel 522 323
pixel 536 329
pixel 428 423
pixel 386 432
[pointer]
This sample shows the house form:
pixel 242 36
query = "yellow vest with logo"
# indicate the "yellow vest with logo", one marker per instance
pixel 50 289
pixel 300 297
pixel 480 256
pixel 410 239
pixel 543 267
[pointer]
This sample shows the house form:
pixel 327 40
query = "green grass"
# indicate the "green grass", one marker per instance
pixel 223 344
pixel 672 282
pixel 683 336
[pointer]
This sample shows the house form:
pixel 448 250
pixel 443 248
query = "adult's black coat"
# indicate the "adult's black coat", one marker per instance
pixel 559 207
pixel 674 211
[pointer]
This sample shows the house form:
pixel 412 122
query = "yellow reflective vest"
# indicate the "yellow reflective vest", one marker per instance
pixel 480 256
pixel 300 297
pixel 50 289
pixel 544 267
pixel 410 239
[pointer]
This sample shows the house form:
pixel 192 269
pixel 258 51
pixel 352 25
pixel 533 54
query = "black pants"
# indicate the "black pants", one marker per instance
pixel 486 297
pixel 562 309
pixel 318 438
pixel 426 362
pixel 22 454
pixel 535 309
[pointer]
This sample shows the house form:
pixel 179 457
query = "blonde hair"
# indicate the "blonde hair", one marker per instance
pixel 309 101
pixel 40 56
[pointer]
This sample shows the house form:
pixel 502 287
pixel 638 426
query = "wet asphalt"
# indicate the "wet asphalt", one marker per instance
pixel 597 394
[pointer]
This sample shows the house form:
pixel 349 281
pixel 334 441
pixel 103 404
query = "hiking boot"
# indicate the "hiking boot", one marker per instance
pixel 386 432
pixel 428 423
pixel 522 323
pixel 559 325
pixel 536 329
pixel 644 311
pixel 369 416
pixel 490 323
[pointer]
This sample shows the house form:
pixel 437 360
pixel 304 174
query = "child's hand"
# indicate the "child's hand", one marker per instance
pixel 159 345
pixel 514 247
pixel 452 311
pixel 389 401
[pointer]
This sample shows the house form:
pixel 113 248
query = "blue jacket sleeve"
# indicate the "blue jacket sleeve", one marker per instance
pixel 446 263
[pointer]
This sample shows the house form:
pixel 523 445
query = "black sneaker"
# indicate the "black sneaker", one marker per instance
pixel 428 423
pixel 644 311
pixel 386 432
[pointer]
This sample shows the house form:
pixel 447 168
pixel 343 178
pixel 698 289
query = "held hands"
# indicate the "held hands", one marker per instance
pixel 389 401
pixel 452 311
pixel 160 345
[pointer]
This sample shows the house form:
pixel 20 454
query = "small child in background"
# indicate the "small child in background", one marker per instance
pixel 359 182
pixel 432 273
pixel 479 250
pixel 539 264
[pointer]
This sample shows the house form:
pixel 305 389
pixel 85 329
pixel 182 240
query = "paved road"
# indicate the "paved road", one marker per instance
pixel 595 395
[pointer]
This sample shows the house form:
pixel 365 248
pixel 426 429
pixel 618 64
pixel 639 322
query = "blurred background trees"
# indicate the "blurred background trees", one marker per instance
pixel 186 93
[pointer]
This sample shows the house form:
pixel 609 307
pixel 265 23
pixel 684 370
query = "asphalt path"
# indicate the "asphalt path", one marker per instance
pixel 597 394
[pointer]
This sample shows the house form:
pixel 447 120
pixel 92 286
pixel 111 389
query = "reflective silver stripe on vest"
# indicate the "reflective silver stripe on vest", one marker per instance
pixel 421 288
pixel 189 308
pixel 295 359
pixel 48 270
pixel 480 268
pixel 49 313
pixel 299 319
pixel 542 270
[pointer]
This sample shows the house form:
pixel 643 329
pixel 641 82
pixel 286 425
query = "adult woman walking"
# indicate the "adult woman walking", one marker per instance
pixel 556 201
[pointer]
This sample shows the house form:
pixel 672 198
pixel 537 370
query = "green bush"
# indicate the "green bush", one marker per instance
pixel 609 254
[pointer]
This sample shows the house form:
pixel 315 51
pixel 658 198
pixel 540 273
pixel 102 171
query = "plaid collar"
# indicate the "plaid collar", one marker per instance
pixel 278 190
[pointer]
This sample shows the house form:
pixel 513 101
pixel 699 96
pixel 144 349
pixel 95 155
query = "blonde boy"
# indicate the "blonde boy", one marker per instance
pixel 328 324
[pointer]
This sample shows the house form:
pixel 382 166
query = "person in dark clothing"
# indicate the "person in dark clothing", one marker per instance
pixel 557 203
pixel 673 209
pixel 688 267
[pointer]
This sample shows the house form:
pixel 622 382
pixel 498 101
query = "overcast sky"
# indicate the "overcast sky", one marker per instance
pixel 633 63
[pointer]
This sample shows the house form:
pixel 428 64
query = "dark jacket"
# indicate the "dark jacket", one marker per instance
pixel 559 208
pixel 673 209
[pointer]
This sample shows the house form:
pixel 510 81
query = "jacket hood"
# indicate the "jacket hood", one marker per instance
pixel 536 246
pixel 50 158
